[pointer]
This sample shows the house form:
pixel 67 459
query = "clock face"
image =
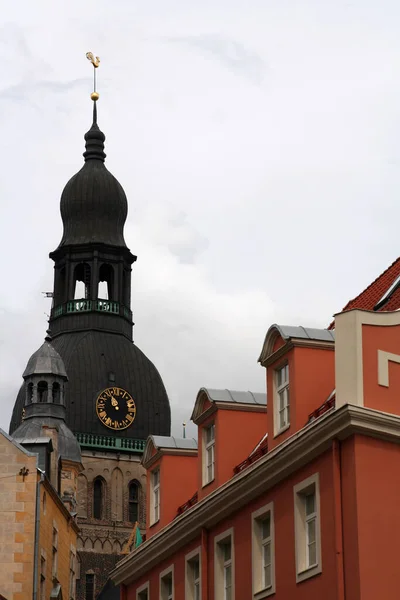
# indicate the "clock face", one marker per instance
pixel 116 408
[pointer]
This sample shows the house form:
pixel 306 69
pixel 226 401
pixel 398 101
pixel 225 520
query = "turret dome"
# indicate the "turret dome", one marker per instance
pixel 93 204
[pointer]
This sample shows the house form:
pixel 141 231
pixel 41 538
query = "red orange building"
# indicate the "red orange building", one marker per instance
pixel 298 500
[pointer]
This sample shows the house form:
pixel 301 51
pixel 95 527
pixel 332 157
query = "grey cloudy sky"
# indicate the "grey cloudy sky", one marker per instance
pixel 258 144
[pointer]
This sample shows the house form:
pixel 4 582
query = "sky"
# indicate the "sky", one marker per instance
pixel 258 143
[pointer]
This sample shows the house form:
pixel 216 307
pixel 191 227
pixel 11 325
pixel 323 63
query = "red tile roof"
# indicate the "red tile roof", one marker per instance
pixel 374 292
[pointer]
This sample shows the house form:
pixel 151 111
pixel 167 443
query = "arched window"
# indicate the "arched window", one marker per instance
pixel 82 281
pixel 98 498
pixel 133 506
pixel 56 393
pixel 29 393
pixel 106 282
pixel 42 391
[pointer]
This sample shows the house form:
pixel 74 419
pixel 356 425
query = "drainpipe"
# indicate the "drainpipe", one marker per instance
pixel 204 564
pixel 338 518
pixel 37 532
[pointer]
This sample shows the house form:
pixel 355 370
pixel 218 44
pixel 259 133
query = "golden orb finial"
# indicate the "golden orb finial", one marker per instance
pixel 94 96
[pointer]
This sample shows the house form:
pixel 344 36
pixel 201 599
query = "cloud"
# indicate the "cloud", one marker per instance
pixel 231 53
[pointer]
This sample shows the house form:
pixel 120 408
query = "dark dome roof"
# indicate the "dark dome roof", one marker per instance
pixel 44 361
pixel 68 446
pixel 93 204
pixel 92 359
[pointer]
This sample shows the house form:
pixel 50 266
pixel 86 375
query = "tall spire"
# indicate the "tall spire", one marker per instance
pixel 94 138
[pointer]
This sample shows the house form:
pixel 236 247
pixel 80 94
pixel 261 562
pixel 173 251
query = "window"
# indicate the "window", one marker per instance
pixel 98 499
pixel 143 593
pixel 55 552
pixel 72 577
pixel 133 502
pixel 192 580
pixel 56 393
pixel 82 281
pixel 155 496
pixel 307 528
pixel 263 548
pixel 209 454
pixel 42 578
pixel 42 391
pixel 89 587
pixel 224 566
pixel 167 584
pixel 282 406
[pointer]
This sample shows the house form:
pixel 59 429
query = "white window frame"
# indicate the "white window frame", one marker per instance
pixel 163 575
pixel 72 572
pixel 143 588
pixel 54 544
pixel 281 391
pixel 189 579
pixel 219 564
pixel 43 573
pixel 155 495
pixel 208 450
pixel 259 589
pixel 301 520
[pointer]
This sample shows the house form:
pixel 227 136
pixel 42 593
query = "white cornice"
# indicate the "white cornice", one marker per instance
pixel 262 475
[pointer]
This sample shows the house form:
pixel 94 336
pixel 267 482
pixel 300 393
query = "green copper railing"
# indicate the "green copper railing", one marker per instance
pixel 108 442
pixel 99 305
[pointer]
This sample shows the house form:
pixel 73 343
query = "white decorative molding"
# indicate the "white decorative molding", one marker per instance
pixel 383 366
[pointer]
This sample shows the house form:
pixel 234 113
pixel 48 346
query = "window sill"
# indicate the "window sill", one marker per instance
pixel 281 430
pixel 308 573
pixel 264 593
pixel 208 483
pixel 154 523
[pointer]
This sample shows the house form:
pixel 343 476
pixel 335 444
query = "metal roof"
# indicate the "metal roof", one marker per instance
pixel 307 333
pixel 45 361
pixel 235 396
pixel 163 441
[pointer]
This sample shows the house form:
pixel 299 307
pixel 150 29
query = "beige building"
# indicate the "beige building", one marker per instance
pixel 38 535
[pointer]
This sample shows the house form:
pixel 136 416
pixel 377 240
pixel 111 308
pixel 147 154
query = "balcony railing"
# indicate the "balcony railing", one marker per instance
pixel 82 305
pixel 108 442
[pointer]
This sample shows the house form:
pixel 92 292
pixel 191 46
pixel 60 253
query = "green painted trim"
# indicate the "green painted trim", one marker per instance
pixel 108 442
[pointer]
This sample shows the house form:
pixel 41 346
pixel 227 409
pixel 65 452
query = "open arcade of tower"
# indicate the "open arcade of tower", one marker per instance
pixel 114 396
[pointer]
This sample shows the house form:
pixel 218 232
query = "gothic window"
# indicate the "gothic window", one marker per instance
pixel 98 498
pixel 82 281
pixel 42 391
pixel 56 393
pixel 106 282
pixel 29 393
pixel 134 501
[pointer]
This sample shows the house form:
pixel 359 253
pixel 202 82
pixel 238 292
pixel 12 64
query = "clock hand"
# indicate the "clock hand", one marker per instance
pixel 114 403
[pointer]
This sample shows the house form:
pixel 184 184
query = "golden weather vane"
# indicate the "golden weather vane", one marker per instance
pixel 95 62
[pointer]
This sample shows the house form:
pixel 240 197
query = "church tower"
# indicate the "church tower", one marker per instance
pixel 114 397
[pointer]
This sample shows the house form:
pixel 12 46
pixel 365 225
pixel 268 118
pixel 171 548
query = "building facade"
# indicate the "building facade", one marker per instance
pixel 282 502
pixel 38 534
pixel 114 396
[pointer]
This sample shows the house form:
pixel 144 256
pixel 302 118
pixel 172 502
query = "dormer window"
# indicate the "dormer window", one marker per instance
pixel 209 454
pixel 282 406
